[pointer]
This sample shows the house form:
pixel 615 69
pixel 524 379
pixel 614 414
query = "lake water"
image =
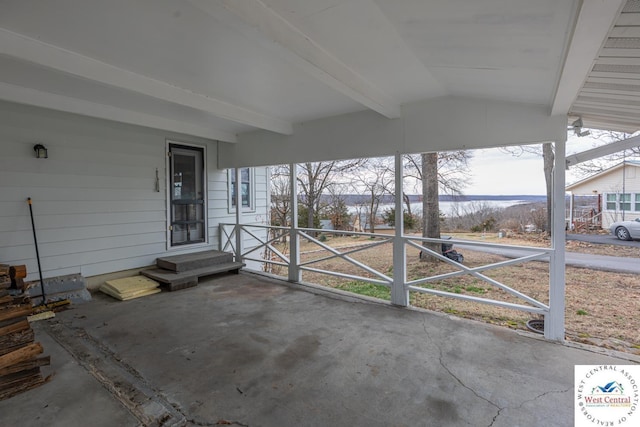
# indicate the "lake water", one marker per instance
pixel 449 208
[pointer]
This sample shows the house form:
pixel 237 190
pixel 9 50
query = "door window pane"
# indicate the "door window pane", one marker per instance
pixel 187 213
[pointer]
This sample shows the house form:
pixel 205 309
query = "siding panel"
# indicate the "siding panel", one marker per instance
pixel 94 199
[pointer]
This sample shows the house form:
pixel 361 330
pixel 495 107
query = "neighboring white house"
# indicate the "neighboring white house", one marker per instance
pixel 105 200
pixel 619 187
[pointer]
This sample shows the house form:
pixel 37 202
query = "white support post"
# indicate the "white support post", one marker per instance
pixel 554 321
pixel 238 201
pixel 294 238
pixel 399 293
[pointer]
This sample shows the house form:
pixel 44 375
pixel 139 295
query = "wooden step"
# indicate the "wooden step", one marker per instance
pixel 194 261
pixel 188 279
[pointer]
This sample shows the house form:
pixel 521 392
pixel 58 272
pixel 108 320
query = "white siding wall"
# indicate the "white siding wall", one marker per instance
pixel 94 199
pixel 612 182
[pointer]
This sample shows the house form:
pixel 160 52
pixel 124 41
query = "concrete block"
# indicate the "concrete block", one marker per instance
pixel 54 285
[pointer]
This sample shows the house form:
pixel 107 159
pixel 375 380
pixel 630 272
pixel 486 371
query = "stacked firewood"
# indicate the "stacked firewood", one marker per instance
pixel 19 361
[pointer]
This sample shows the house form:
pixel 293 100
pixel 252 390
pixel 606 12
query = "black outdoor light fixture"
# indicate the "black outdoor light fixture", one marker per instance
pixel 41 151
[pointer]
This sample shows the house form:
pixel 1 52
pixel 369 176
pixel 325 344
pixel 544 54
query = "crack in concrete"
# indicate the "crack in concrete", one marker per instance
pixel 499 408
pixel 541 396
pixel 220 422
pixel 454 376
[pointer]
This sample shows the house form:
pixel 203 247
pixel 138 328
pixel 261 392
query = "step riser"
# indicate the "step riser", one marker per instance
pixel 183 263
pixel 187 279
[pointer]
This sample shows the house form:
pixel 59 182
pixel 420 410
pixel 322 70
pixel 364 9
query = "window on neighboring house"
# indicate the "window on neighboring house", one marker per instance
pixel 625 202
pixel 637 207
pixel 246 189
pixel 612 202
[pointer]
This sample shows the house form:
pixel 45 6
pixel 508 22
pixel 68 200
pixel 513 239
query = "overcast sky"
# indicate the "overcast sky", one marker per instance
pixel 496 172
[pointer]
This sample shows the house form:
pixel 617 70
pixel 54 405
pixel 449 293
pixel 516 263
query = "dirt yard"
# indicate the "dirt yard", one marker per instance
pixel 602 308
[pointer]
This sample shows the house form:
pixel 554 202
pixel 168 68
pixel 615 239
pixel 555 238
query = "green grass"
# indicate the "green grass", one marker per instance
pixel 475 289
pixel 582 313
pixel 368 289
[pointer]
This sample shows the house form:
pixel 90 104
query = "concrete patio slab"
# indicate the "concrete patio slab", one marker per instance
pixel 73 397
pixel 249 351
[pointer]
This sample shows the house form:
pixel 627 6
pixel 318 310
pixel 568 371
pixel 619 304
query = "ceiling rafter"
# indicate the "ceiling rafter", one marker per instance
pixel 53 57
pixel 35 97
pixel 305 52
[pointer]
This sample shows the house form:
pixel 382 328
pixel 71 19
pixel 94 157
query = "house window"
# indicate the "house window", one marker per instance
pixel 625 202
pixel 637 207
pixel 611 202
pixel 247 189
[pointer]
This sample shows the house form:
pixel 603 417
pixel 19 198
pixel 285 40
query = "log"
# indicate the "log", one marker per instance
pixel 13 312
pixel 26 365
pixel 9 322
pixel 20 355
pixel 19 284
pixel 16 340
pixel 6 299
pixel 33 382
pixel 4 269
pixel 18 271
pixel 15 327
pixel 11 380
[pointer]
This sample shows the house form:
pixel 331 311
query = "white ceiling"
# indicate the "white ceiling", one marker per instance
pixel 217 68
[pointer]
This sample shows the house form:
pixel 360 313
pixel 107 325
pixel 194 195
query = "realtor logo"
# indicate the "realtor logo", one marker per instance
pixel 607 395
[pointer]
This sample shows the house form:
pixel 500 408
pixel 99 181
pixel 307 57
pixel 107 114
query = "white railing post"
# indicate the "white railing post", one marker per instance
pixel 554 321
pixel 294 238
pixel 238 227
pixel 399 293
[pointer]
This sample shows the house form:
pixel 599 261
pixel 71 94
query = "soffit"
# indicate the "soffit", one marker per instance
pixel 610 96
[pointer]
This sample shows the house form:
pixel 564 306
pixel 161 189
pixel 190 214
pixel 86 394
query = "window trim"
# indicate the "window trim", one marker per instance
pixel 252 190
pixel 609 200
pixel 624 198
pixel 632 202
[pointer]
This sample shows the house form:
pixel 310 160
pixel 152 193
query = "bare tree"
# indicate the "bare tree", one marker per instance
pixel 445 170
pixel 376 180
pixel 548 157
pixel 430 200
pixel 453 173
pixel 602 137
pixel 280 195
pixel 315 178
pixel 337 210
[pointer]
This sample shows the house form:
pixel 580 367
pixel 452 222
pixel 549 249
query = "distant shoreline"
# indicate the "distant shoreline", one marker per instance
pixel 359 199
